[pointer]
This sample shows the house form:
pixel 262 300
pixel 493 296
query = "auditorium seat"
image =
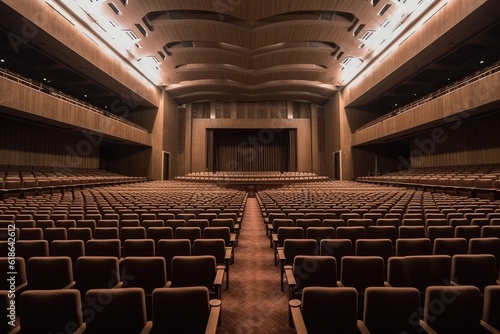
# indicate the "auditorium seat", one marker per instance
pixel 291 248
pixel 411 232
pixel 491 310
pixel 338 248
pixel 217 248
pixel 414 246
pixel 392 310
pixel 55 233
pixel 50 311
pixel 124 312
pixel 147 273
pixel 185 310
pixel 459 312
pixel 200 270
pixel 106 233
pixel 80 233
pixel 352 233
pixel 103 247
pixel 168 248
pixel 31 233
pixel 479 270
pixel 20 280
pixel 97 272
pixel 139 247
pixel 49 272
pixel 341 316
pixel 29 248
pixel 310 270
pixel 320 233
pixel 71 248
pixel 449 246
pixel 191 233
pixel 361 272
pixel 467 232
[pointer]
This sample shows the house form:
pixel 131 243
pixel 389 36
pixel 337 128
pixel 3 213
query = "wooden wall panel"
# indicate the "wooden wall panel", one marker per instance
pixel 199 127
pixel 27 102
pixel 471 142
pixel 31 144
pixel 171 132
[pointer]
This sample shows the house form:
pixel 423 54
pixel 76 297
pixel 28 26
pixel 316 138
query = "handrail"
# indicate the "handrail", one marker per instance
pixel 63 96
pixel 440 92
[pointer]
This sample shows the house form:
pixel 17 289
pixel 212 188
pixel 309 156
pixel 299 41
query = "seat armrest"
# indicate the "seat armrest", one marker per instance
pixel 118 285
pixel 281 254
pixel 228 254
pixel 219 276
pixel 147 328
pixel 214 317
pixel 81 329
pixel 21 287
pixel 386 284
pixel 169 284
pixel 488 328
pixel 340 285
pixel 298 320
pixel 290 278
pixel 426 327
pixel 70 285
pixel 362 327
pixel 274 238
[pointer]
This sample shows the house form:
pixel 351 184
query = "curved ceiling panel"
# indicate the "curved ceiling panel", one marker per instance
pixel 249 49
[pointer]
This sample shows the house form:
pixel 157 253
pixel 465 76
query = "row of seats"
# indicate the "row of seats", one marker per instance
pixel 472 181
pixel 384 250
pixel 417 271
pixel 22 179
pixel 147 272
pixel 258 177
pixel 445 310
pixel 104 310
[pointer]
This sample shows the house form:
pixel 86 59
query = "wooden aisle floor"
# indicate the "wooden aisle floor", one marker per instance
pixel 254 302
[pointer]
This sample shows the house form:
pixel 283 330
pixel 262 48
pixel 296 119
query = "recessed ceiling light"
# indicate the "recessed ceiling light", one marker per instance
pixel 85 95
pixel 2 60
pixel 481 62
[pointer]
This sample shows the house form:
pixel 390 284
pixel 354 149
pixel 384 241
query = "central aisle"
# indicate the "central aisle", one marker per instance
pixel 254 302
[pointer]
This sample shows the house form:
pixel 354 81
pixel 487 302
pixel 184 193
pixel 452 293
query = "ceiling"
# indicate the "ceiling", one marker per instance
pixel 245 50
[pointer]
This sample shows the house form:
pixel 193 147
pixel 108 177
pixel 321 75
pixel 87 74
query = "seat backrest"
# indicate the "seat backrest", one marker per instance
pixel 103 247
pixel 382 232
pixel 20 269
pixel 391 310
pixel 191 233
pixel 289 233
pixel 72 248
pixel 139 247
pixel 294 247
pixel 199 270
pixel 29 248
pixel 319 233
pixel 214 247
pixel 49 272
pixel 181 310
pixel 468 232
pixel 305 223
pixel 146 272
pixel 80 233
pixel 459 312
pixel 132 233
pixel 124 311
pixel 106 233
pixel 330 309
pixel 50 311
pixel 414 246
pixel 491 308
pixel 352 233
pixel 361 272
pixel 485 246
pixel 175 223
pixel 449 246
pixel 422 271
pixel 479 270
pixel 407 232
pixel 314 270
pixel 281 222
pixel 374 247
pixel 96 272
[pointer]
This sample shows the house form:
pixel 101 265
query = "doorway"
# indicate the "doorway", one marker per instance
pixel 166 166
pixel 336 169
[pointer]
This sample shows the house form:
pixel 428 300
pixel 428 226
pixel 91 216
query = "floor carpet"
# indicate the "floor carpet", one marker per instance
pixel 254 302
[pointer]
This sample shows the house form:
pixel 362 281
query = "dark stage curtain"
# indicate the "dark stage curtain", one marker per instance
pixel 251 150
